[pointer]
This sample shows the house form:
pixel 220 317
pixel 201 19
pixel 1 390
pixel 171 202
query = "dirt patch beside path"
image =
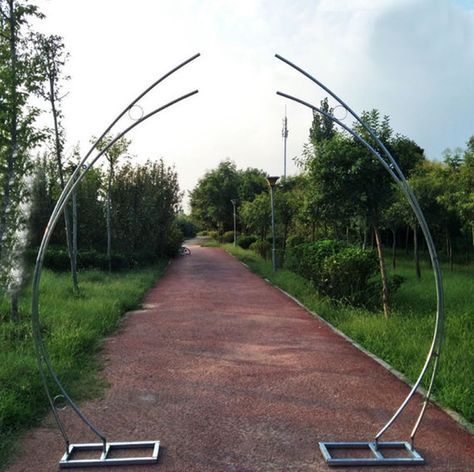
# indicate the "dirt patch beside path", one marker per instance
pixel 231 375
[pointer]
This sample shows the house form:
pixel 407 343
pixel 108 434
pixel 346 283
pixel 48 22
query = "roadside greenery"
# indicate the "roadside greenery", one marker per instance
pixel 344 195
pixel 403 339
pixel 74 326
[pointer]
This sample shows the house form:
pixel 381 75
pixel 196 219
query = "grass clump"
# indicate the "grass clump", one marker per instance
pixel 404 339
pixel 73 328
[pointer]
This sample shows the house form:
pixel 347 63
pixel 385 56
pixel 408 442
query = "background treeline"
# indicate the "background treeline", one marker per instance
pixel 145 201
pixel 343 216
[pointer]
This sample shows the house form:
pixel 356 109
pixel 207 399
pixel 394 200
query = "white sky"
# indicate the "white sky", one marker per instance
pixel 411 59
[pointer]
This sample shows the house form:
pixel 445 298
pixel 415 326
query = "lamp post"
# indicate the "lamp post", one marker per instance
pixel 234 202
pixel 272 182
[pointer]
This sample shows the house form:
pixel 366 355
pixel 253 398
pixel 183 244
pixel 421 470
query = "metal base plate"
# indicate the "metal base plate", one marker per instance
pixel 401 453
pixel 103 457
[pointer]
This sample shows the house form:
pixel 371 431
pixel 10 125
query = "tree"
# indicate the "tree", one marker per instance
pixel 288 199
pixel 252 182
pixel 50 60
pixel 113 154
pixel 256 215
pixel 350 182
pixel 210 198
pixel 17 132
pixel 146 202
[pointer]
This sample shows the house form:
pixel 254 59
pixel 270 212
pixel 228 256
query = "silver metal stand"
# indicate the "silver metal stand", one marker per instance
pixel 374 452
pixel 48 375
pixel 68 460
pixel 385 158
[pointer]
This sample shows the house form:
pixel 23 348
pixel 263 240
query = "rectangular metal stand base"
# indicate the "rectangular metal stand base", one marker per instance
pixel 375 456
pixel 103 457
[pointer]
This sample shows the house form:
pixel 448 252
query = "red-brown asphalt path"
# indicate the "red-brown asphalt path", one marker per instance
pixel 232 375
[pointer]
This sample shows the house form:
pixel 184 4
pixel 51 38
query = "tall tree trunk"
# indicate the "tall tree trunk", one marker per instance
pixel 364 241
pixel 394 248
pixel 416 253
pixel 109 216
pixel 67 223
pixel 383 273
pixel 13 137
pixel 14 306
pixel 74 227
pixel 407 237
pixel 451 258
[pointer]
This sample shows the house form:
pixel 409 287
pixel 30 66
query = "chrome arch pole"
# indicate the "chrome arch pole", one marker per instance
pixel 77 171
pixel 394 170
pixel 43 360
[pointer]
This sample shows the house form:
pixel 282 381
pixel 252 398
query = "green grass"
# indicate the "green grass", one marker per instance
pixel 74 327
pixel 404 339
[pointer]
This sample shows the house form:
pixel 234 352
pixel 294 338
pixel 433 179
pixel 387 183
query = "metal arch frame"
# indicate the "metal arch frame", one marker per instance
pixel 390 164
pixel 44 363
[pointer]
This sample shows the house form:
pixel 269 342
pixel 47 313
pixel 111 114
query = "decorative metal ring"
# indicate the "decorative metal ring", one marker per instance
pixel 339 112
pixel 59 402
pixel 136 112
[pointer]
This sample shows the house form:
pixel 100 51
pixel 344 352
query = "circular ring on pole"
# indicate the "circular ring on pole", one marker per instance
pixel 60 402
pixel 136 112
pixel 339 112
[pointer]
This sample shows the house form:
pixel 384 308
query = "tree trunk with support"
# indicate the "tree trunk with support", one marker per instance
pixel 383 273
pixel 394 248
pixel 74 227
pixel 58 147
pixel 109 215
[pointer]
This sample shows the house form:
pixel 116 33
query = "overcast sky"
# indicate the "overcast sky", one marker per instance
pixel 411 59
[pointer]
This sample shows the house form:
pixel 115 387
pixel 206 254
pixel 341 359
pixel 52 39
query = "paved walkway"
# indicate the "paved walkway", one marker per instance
pixel 231 375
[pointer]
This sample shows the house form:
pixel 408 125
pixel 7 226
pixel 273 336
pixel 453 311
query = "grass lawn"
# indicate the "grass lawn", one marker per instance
pixel 74 327
pixel 402 340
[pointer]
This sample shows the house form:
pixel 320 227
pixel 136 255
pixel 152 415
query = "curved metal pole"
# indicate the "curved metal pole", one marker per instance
pixel 431 352
pixel 118 117
pixel 42 356
pixel 434 350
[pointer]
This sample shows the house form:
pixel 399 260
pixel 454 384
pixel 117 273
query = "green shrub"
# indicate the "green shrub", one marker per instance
pixel 228 237
pixel 213 234
pixel 57 259
pixel 186 226
pixel 174 240
pixel 345 275
pixel 307 259
pixel 340 271
pixel 245 241
pixel 262 248
pixel 203 233
pixel 294 240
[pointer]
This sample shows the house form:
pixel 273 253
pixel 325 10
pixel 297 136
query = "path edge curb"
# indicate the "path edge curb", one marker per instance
pixel 459 419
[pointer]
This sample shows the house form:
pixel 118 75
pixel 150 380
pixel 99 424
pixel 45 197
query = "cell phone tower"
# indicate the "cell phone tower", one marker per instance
pixel 284 133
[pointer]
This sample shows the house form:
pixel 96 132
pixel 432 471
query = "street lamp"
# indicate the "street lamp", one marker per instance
pixel 234 202
pixel 272 182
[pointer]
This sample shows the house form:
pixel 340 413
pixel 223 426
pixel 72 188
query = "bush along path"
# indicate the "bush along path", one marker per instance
pixel 232 375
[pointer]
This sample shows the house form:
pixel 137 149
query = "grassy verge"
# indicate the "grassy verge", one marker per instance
pixel 402 340
pixel 74 327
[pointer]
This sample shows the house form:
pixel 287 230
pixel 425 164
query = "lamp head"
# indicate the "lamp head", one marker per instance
pixel 272 181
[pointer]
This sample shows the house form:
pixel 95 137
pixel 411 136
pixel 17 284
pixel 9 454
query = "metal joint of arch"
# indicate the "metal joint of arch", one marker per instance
pixel 374 448
pixel 46 369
